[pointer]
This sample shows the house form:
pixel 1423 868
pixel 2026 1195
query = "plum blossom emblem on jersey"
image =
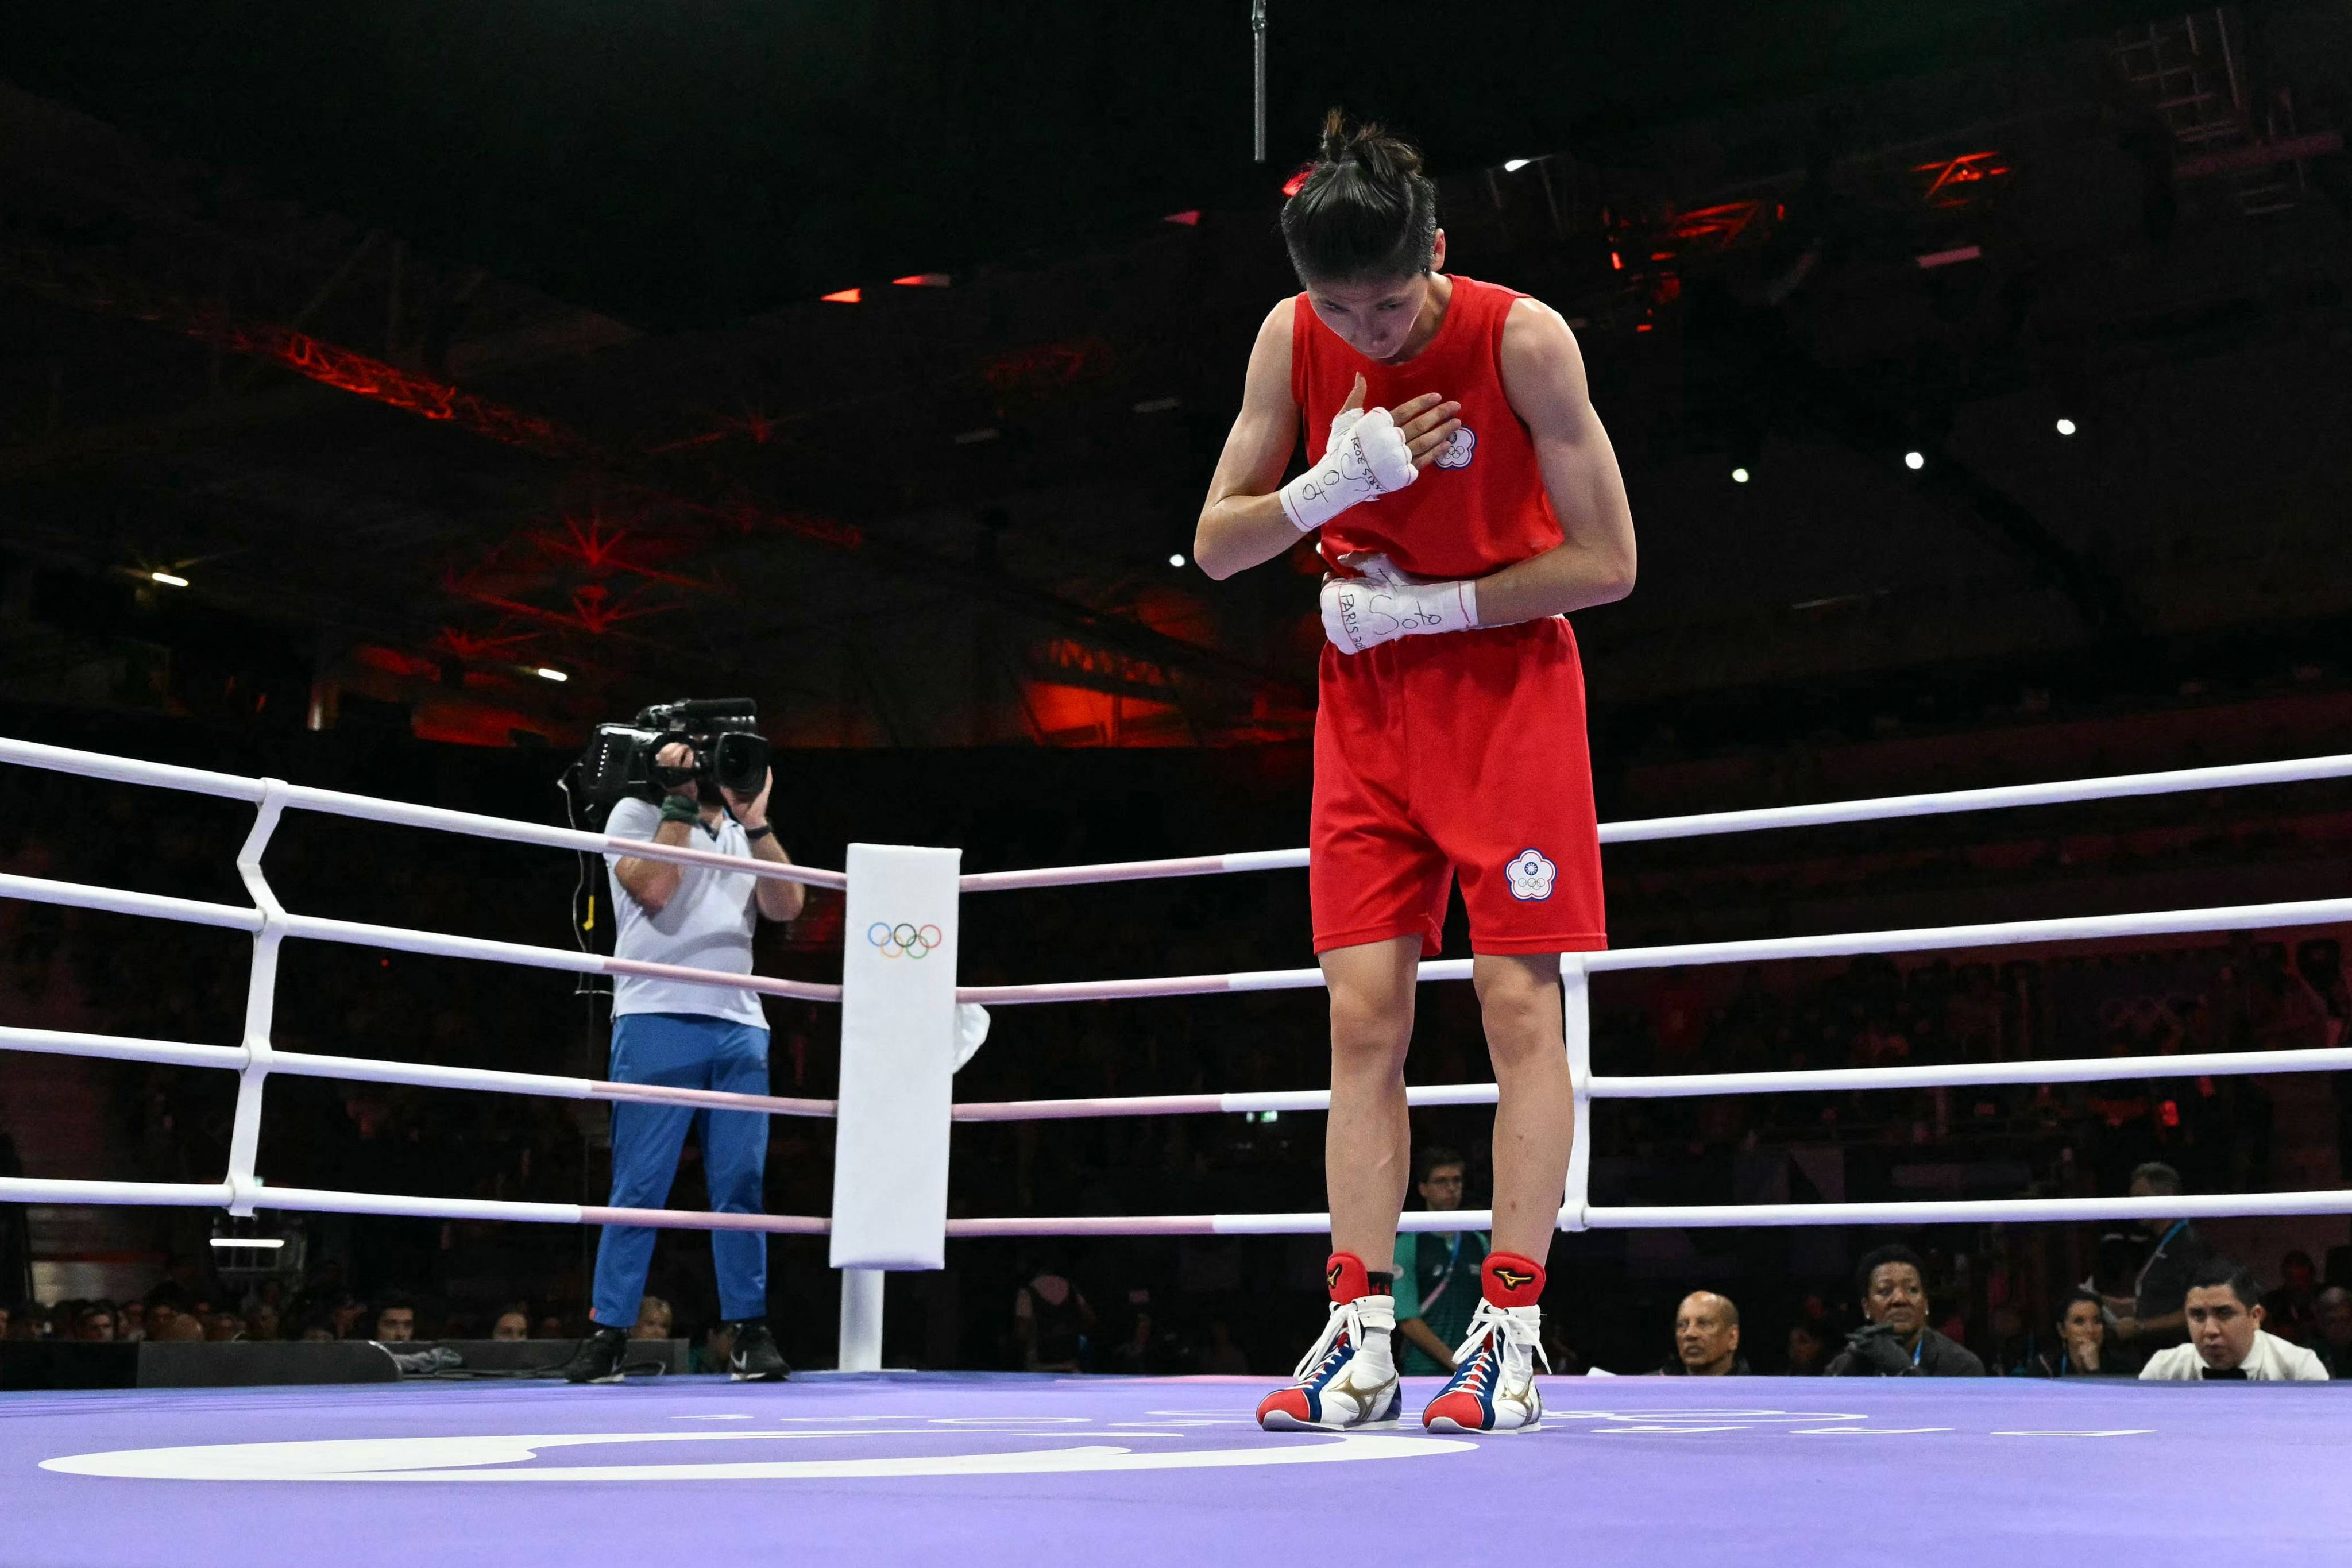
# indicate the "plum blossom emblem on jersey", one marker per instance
pixel 1457 451
pixel 1531 875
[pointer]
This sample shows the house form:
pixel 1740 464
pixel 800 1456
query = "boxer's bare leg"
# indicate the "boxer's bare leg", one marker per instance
pixel 1368 1143
pixel 1534 1116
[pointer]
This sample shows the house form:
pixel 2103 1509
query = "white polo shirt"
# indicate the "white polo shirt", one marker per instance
pixel 707 924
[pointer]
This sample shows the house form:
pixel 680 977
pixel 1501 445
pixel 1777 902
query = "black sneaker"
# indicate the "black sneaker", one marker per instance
pixel 598 1359
pixel 756 1358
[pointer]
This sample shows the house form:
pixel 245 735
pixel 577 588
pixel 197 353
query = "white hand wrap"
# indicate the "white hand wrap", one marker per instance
pixel 1384 604
pixel 1367 457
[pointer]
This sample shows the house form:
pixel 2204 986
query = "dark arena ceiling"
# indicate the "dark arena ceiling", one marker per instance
pixel 436 348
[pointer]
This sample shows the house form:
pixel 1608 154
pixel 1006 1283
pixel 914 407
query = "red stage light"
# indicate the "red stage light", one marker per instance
pixel 1189 218
pixel 843 297
pixel 1291 187
pixel 920 280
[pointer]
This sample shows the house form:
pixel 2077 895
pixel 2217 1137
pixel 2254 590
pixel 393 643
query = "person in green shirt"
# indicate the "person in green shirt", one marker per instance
pixel 1436 1273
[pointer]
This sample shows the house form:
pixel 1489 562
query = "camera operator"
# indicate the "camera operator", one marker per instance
pixel 684 1035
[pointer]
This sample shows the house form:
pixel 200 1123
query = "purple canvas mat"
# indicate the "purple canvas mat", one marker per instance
pixel 979 1469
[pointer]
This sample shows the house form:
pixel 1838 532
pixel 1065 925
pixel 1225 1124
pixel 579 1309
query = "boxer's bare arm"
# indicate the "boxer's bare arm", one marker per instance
pixel 1543 376
pixel 1242 523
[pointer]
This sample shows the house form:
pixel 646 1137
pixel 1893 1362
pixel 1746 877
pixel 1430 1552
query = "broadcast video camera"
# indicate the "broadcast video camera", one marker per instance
pixel 721 732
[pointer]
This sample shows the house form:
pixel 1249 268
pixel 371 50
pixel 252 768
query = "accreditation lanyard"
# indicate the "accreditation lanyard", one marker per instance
pixel 2177 1227
pixel 1452 1259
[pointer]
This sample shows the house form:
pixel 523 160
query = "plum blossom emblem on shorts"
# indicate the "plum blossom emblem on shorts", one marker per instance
pixel 1457 451
pixel 902 939
pixel 1531 875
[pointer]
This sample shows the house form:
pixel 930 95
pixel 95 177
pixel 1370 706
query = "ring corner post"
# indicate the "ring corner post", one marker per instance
pixel 899 1047
pixel 260 1001
pixel 1576 1019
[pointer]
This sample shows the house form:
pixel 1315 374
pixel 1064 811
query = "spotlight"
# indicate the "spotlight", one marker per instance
pixel 555 674
pixel 1176 561
pixel 2065 427
pixel 1513 166
pixel 1913 461
pixel 1739 476
pixel 169 579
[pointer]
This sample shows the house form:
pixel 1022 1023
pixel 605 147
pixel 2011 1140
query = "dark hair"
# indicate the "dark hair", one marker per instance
pixel 1433 1155
pixel 2081 1293
pixel 1365 210
pixel 1878 1258
pixel 2161 1178
pixel 2227 1273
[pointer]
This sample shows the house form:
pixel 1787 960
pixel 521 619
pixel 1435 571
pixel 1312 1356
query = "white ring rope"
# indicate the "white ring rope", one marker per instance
pixel 257 1058
pixel 2001 797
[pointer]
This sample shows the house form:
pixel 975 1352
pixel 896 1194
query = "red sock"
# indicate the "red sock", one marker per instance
pixel 1346 1276
pixel 1511 1280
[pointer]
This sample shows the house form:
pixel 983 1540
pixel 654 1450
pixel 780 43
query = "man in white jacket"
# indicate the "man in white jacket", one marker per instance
pixel 2226 1342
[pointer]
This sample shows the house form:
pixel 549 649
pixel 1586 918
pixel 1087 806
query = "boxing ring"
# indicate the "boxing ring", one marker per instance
pixel 903 1468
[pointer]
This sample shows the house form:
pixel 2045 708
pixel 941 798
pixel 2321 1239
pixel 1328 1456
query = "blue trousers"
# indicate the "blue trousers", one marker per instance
pixel 683 1050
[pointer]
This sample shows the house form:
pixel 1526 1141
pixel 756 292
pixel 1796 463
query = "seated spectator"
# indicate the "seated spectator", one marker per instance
pixel 717 1352
pixel 95 1321
pixel 129 1322
pixel 512 1324
pixel 2290 1313
pixel 2334 1341
pixel 1896 1342
pixel 1706 1339
pixel 1437 1288
pixel 6 1320
pixel 2081 1350
pixel 1804 1356
pixel 1051 1321
pixel 180 1328
pixel 221 1327
pixel 317 1331
pixel 262 1323
pixel 396 1321
pixel 653 1320
pixel 165 1302
pixel 2226 1340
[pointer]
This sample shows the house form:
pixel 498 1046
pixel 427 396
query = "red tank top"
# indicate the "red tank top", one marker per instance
pixel 1481 506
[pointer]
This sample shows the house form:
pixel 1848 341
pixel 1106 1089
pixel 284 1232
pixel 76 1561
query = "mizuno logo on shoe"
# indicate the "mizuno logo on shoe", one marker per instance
pixel 1512 1279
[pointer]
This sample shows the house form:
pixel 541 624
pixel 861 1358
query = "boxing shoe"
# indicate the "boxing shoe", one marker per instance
pixel 1348 1380
pixel 1494 1384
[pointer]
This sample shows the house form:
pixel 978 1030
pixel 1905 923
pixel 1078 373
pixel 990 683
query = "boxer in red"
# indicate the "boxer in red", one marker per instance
pixel 1464 497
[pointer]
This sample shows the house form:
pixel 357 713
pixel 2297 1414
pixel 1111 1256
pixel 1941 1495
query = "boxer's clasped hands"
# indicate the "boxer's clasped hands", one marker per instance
pixel 1372 452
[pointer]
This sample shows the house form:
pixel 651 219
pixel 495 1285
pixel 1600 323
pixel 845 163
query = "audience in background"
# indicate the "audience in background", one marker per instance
pixel 2082 1347
pixel 653 1320
pixel 2334 1341
pixel 1804 1350
pixel 2153 1316
pixel 1706 1339
pixel 1896 1340
pixel 2226 1340
pixel 1051 1322
pixel 2291 1312
pixel 396 1321
pixel 512 1324
pixel 1437 1287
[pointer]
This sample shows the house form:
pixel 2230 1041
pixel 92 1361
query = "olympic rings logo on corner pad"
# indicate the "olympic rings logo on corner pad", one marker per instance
pixel 902 939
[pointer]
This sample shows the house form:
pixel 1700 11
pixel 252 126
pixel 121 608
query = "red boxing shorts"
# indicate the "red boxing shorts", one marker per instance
pixel 1455 755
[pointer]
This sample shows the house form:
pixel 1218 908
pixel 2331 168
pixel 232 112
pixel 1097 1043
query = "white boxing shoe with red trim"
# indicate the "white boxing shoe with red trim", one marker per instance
pixel 1348 1380
pixel 1494 1383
